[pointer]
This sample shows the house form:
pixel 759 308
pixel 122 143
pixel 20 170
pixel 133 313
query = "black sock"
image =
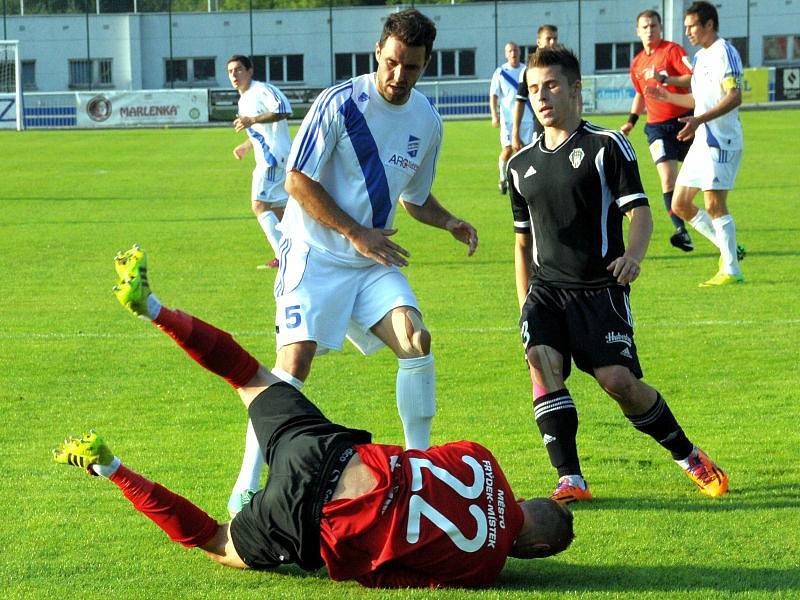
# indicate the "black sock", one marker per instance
pixel 659 423
pixel 557 419
pixel 676 220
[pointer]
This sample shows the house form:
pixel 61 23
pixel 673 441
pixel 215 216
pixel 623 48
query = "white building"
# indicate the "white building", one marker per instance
pixel 305 48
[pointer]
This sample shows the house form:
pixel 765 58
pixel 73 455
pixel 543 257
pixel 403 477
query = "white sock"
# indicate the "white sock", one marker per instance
pixel 574 480
pixel 702 223
pixel 725 229
pixel 684 464
pixel 269 223
pixel 252 463
pixel 288 378
pixel 107 470
pixel 501 164
pixel 416 399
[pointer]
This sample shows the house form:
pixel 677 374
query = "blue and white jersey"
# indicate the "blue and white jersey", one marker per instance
pixel 505 82
pixel 366 153
pixel 271 141
pixel 717 69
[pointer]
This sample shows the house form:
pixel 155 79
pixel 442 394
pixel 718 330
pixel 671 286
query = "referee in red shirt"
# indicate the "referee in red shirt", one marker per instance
pixel 661 63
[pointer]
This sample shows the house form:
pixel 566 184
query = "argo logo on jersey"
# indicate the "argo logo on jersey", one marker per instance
pixel 413 146
pixel 400 161
pixel 576 157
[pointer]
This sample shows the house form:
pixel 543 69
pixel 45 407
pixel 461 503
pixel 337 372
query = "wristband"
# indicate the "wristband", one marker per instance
pixel 661 78
pixel 632 118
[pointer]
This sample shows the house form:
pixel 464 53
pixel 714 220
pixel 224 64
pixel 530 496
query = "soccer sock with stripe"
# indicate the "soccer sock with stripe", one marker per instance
pixel 269 225
pixel 725 229
pixel 659 423
pixel 702 223
pixel 181 520
pixel 557 419
pixel 677 222
pixel 416 399
pixel 212 348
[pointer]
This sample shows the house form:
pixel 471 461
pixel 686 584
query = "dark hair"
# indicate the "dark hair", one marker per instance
pixel 542 28
pixel 410 27
pixel 705 12
pixel 242 59
pixel 550 530
pixel 649 14
pixel 557 56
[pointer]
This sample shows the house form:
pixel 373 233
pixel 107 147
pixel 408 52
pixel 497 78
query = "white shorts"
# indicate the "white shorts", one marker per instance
pixel 268 185
pixel 525 133
pixel 321 299
pixel 708 168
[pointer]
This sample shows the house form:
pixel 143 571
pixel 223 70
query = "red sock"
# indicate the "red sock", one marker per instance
pixel 181 520
pixel 212 348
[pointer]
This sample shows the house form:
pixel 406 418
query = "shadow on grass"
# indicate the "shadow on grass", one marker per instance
pixel 662 578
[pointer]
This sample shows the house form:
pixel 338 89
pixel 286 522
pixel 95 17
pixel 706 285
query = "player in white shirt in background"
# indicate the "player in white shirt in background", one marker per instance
pixel 263 114
pixel 502 99
pixel 713 160
pixel 365 145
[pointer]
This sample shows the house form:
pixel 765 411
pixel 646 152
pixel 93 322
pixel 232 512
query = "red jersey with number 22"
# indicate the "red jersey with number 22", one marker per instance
pixel 445 516
pixel 670 59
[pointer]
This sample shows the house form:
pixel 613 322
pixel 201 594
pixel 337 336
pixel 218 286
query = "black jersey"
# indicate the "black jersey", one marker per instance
pixel 572 200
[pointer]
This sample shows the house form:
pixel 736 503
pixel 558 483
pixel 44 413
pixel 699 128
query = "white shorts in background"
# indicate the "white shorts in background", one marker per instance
pixel 268 185
pixel 321 299
pixel 525 133
pixel 709 168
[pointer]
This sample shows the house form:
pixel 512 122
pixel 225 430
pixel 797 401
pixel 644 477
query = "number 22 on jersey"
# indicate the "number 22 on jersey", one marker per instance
pixel 419 507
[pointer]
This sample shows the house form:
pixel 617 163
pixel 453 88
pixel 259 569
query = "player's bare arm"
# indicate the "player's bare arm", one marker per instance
pixel 242 149
pixel 523 256
pixel 493 110
pixel 731 100
pixel 519 109
pixel 241 123
pixel 370 242
pixel 627 267
pixel 637 108
pixel 664 95
pixel 434 214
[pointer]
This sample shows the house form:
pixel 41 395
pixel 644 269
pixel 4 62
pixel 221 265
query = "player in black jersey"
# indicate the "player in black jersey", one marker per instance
pixel 546 37
pixel 569 192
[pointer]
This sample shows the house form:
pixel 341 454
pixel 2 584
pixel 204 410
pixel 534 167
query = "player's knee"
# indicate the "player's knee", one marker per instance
pixel 296 359
pixel 412 336
pixel 617 381
pixel 545 361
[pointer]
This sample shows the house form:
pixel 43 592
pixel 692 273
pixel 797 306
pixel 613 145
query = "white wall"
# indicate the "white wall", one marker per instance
pixel 139 44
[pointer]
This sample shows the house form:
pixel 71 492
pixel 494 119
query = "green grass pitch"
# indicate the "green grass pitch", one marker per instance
pixel 71 358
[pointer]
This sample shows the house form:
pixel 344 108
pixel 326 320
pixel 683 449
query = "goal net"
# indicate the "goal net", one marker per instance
pixel 10 86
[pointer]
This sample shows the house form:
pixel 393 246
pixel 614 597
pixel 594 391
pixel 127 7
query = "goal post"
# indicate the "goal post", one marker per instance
pixel 11 102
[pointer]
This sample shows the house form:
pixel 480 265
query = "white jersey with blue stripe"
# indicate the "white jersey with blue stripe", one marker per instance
pixel 366 153
pixel 271 141
pixel 713 67
pixel 504 84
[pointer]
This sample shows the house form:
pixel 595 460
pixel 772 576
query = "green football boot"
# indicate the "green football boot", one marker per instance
pixel 132 289
pixel 83 452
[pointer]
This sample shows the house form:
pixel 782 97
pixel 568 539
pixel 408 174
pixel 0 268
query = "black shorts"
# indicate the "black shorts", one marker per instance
pixel 664 144
pixel 592 327
pixel 305 453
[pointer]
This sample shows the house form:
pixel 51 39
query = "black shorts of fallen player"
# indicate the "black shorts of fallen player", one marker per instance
pixel 305 453
pixel 592 327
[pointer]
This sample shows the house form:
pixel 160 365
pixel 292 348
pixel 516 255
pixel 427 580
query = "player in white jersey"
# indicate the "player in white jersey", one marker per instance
pixel 365 145
pixel 263 111
pixel 713 159
pixel 502 99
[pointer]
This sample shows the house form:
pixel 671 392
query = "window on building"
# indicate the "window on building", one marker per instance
pixel 740 43
pixel 451 63
pixel 616 56
pixel 204 69
pixel 781 48
pixel 28 75
pixel 280 68
pixel 350 64
pixel 191 71
pixel 176 70
pixel 90 73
